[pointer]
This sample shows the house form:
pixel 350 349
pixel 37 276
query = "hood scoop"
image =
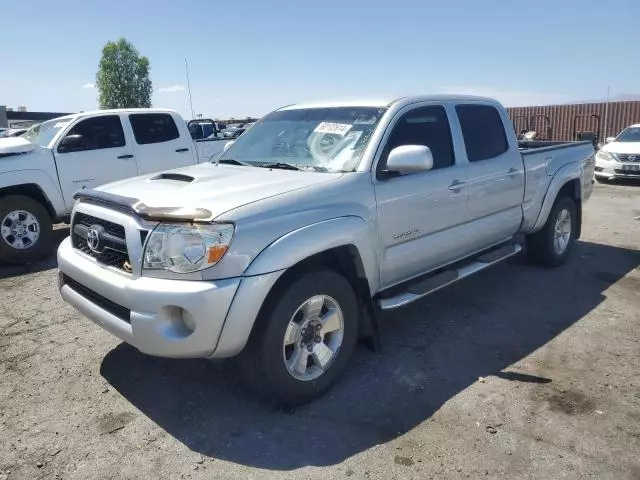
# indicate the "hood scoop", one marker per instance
pixel 176 177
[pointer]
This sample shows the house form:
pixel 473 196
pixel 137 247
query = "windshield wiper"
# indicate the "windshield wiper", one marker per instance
pixel 281 165
pixel 231 161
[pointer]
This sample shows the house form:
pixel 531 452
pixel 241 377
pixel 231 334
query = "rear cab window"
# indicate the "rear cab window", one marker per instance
pixel 153 128
pixel 483 131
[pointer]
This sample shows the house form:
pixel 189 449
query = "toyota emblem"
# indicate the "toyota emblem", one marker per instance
pixel 94 238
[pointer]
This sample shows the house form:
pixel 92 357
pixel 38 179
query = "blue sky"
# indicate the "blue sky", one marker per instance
pixel 247 57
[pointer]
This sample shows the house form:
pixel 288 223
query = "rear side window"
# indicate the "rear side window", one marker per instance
pixel 427 126
pixel 153 128
pixel 483 132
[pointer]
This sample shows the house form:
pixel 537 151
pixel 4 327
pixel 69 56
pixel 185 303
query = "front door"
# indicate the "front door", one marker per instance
pixel 420 214
pixel 97 155
pixel 159 145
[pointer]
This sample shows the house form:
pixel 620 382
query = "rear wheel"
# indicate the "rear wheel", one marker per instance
pixel 303 339
pixel 25 230
pixel 551 245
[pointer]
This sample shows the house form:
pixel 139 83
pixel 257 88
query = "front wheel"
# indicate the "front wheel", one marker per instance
pixel 25 230
pixel 551 246
pixel 303 339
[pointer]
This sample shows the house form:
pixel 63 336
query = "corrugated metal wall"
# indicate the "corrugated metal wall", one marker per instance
pixel 559 125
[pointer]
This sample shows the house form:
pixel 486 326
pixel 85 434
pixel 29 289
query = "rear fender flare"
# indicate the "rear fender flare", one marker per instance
pixel 565 175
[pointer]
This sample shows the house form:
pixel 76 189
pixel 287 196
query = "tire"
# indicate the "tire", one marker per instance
pixel 541 246
pixel 264 360
pixel 20 211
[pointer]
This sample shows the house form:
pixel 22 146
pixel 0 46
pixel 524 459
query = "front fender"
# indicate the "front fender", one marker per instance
pixel 40 179
pixel 312 239
pixel 568 173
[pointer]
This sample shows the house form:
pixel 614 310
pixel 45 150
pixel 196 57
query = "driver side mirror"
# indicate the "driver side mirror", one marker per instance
pixel 71 143
pixel 409 159
pixel 610 139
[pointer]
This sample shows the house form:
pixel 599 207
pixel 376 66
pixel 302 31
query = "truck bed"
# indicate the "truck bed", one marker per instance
pixel 542 162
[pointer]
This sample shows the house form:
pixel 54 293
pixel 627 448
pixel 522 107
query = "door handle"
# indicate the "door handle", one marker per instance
pixel 180 150
pixel 456 186
pixel 512 172
pixel 123 157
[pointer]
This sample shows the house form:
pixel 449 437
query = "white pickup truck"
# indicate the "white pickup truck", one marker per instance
pixel 316 218
pixel 41 171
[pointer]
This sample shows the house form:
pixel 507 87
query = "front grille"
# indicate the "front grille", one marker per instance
pixel 635 173
pixel 628 157
pixel 88 220
pixel 113 249
pixel 113 308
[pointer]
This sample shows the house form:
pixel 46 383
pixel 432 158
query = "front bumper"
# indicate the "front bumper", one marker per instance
pixel 147 312
pixel 613 169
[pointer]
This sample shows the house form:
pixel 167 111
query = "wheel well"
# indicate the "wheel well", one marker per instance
pixel 344 260
pixel 572 189
pixel 30 190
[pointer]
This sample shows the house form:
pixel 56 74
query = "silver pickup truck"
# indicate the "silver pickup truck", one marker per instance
pixel 284 250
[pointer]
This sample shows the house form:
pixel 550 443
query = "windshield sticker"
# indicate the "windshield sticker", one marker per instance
pixel 335 128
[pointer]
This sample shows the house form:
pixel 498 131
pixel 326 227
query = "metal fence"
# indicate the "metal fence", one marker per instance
pixel 562 122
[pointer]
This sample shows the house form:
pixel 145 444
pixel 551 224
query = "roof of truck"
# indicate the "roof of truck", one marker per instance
pixel 114 110
pixel 386 101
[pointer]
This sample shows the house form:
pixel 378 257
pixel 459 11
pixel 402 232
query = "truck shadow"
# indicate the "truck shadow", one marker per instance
pixel 49 262
pixel 433 350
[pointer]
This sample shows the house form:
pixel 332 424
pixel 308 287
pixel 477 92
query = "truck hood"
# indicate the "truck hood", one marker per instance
pixel 14 146
pixel 622 147
pixel 217 189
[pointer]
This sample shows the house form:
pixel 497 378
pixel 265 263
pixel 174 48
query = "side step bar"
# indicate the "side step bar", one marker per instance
pixel 421 288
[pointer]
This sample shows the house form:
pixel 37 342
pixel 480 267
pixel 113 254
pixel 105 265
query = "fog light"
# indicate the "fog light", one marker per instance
pixel 188 320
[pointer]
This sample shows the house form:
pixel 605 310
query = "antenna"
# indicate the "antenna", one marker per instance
pixel 186 67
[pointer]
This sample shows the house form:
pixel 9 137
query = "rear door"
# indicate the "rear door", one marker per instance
pixel 101 155
pixel 420 214
pixel 159 143
pixel 495 174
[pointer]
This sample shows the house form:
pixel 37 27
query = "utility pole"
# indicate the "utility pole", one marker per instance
pixel 186 67
pixel 606 116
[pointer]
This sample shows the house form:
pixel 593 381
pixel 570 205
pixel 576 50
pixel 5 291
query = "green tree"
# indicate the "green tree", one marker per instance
pixel 123 77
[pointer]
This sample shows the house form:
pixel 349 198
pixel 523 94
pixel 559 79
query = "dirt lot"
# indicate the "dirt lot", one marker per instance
pixel 519 372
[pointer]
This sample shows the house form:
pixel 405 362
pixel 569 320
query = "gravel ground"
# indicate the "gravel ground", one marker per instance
pixel 518 372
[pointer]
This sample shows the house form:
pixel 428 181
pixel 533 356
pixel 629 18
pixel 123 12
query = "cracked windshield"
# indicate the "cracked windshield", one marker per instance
pixel 319 139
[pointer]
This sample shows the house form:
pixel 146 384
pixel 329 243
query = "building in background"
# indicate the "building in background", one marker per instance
pixel 565 122
pixel 21 118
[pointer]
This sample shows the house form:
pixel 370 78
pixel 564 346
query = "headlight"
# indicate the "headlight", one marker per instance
pixel 185 248
pixel 609 157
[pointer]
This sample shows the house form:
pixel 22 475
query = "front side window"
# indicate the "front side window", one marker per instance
pixel 428 126
pixel 318 139
pixel 153 128
pixel 93 134
pixel 483 132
